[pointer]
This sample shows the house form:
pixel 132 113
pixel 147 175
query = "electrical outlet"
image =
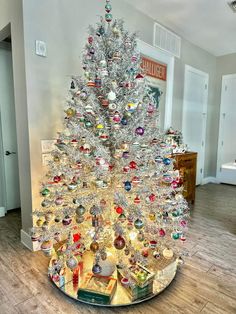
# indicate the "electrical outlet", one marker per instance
pixel 40 48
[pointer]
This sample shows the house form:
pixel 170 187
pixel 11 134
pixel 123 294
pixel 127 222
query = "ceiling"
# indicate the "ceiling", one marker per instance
pixel 209 24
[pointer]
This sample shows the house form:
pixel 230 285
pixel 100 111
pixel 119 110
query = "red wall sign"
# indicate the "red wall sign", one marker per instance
pixel 154 69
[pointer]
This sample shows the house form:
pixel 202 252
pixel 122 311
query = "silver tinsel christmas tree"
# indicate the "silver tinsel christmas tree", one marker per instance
pixel 111 187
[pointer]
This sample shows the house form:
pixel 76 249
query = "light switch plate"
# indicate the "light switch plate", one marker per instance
pixel 40 48
pixel 47 146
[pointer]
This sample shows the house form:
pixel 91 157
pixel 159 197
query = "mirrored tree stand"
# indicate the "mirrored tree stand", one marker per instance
pixel 115 290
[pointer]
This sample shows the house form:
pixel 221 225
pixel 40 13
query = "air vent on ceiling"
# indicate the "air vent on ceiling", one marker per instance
pixel 166 40
pixel 232 5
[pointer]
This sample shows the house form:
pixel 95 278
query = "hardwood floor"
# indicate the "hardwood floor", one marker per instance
pixel 206 283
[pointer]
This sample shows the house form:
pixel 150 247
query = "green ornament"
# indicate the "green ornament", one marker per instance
pixel 45 192
pixel 88 124
pixel 108 17
pixel 175 235
pixel 108 7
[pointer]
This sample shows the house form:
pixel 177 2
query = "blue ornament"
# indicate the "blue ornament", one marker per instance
pixel 124 121
pixel 127 186
pixel 166 161
pixel 96 269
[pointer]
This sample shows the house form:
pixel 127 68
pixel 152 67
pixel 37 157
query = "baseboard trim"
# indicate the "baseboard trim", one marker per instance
pixel 2 211
pixel 27 241
pixel 210 180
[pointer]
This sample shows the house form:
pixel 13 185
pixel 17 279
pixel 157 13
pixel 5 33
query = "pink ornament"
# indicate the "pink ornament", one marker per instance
pixel 150 108
pixel 152 197
pixel 139 131
pixel 90 39
pixel 162 233
pixel 174 184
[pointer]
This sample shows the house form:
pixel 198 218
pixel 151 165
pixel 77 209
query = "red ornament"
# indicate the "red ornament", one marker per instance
pixel 126 169
pixel 133 165
pixel 145 253
pixel 57 179
pixel 136 180
pixel 76 237
pixel 119 243
pixel 137 200
pixel 152 197
pixel 119 210
pixel 162 232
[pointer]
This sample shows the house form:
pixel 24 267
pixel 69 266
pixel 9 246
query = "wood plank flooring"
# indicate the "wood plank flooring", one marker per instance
pixel 205 284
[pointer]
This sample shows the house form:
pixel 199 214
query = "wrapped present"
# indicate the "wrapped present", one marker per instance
pixel 134 291
pixel 141 275
pixel 97 289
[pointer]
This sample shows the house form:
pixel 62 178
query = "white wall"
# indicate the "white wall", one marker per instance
pixel 11 20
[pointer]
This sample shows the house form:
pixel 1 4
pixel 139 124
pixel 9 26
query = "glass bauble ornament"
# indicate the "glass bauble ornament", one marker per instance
pixel 90 39
pixel 103 63
pixel 59 200
pixel 139 131
pixel 127 186
pixel 137 200
pixel 66 221
pixel 80 210
pixel 167 161
pixel 79 219
pixel 138 224
pixel 45 203
pixel 96 269
pixel 136 180
pixel 140 236
pixel 141 276
pixel 111 96
pixel 126 251
pixel 150 108
pixel 125 154
pixel 108 7
pixel 156 255
pixel 175 235
pixel 45 192
pixel 122 218
pixel 108 17
pixel 57 179
pixel 133 165
pixel 152 244
pixel 124 121
pixel 167 253
pixel 47 247
pixel 162 232
pixel 72 263
pixel 152 197
pixel 35 237
pixel 58 219
pixel 119 242
pixel 116 117
pixel 119 210
pixel 94 246
pixel 145 253
pixel 108 266
pixel 70 112
pixel 49 216
pixel 152 216
pixel 39 222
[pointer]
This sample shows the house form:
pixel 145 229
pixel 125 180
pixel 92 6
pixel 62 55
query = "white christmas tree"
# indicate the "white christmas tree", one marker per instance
pixel 111 187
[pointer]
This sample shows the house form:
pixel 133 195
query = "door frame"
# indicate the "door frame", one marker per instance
pixel 206 75
pixel 221 119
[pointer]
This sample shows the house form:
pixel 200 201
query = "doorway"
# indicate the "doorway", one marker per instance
pixel 9 172
pixel 195 114
pixel 226 163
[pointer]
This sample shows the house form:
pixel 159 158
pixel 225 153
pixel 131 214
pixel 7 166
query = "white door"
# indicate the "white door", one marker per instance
pixel 194 115
pixel 227 128
pixel 9 165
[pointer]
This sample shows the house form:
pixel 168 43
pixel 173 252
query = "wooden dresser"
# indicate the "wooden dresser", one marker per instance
pixel 186 163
